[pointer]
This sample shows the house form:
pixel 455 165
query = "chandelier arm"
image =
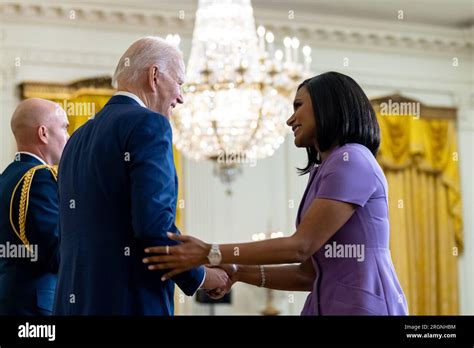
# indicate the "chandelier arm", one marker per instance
pixel 219 141
pixel 259 119
pixel 214 126
pixel 249 141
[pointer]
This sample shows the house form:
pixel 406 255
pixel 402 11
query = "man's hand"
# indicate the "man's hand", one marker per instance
pixel 218 293
pixel 217 281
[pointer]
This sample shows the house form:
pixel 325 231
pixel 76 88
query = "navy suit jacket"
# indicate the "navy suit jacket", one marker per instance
pixel 27 285
pixel 118 190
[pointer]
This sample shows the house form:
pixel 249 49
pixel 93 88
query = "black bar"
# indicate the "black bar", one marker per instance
pixel 287 330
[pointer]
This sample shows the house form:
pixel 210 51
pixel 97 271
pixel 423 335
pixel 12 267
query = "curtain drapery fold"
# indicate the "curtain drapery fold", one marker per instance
pixel 420 160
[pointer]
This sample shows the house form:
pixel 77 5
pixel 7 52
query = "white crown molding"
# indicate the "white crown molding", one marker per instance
pixel 45 57
pixel 314 28
pixel 97 16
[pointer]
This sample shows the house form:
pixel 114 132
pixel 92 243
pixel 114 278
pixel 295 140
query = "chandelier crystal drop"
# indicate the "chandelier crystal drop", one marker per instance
pixel 238 88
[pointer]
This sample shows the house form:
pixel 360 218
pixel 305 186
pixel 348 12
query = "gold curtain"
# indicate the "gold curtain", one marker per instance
pixel 420 161
pixel 79 105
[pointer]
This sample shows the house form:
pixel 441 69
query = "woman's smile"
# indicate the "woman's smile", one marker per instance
pixel 295 128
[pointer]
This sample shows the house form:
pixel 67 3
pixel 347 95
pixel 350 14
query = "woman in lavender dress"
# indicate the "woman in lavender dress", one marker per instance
pixel 340 250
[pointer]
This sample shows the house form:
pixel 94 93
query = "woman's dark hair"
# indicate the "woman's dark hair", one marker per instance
pixel 343 114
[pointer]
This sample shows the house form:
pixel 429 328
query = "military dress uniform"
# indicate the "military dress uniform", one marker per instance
pixel 29 255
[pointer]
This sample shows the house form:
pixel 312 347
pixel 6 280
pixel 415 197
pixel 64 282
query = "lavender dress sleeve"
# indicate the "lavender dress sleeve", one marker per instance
pixel 348 177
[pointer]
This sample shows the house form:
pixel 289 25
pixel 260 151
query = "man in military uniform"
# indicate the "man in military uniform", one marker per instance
pixel 29 210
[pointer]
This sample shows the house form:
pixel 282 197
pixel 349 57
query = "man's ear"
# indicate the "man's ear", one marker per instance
pixel 153 76
pixel 43 134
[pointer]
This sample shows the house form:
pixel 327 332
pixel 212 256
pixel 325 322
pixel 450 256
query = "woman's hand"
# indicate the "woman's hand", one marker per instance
pixel 231 271
pixel 179 258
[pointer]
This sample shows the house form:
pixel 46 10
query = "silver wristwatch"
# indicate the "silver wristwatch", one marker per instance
pixel 215 256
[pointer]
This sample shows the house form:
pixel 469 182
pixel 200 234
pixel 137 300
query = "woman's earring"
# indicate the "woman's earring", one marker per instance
pixel 318 158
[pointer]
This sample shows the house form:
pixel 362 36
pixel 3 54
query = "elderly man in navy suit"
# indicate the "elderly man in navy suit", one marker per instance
pixel 118 191
pixel 29 210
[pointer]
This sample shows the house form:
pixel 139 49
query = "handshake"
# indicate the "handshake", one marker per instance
pixel 219 280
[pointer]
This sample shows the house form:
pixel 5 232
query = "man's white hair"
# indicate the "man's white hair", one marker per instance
pixel 142 54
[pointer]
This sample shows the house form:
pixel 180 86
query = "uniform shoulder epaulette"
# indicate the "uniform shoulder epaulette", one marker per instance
pixel 25 183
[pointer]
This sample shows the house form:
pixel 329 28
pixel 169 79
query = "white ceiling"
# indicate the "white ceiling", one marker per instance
pixel 451 13
pixel 447 13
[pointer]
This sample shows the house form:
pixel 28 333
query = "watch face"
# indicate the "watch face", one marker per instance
pixel 214 258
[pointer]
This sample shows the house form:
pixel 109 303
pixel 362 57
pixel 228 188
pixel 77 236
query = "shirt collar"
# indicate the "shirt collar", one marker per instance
pixel 32 155
pixel 133 96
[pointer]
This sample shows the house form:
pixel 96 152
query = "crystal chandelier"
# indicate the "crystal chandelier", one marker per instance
pixel 238 89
